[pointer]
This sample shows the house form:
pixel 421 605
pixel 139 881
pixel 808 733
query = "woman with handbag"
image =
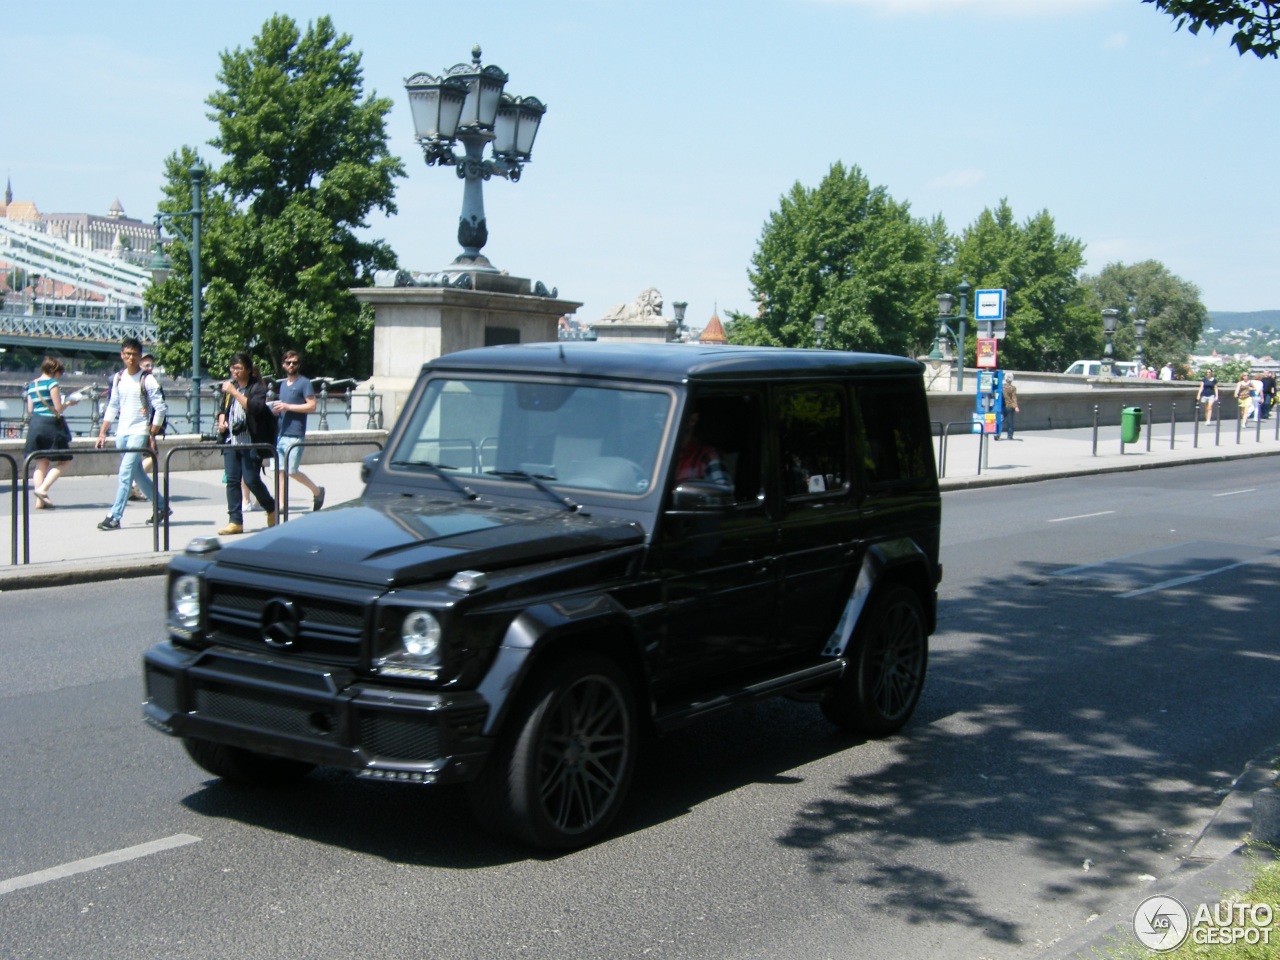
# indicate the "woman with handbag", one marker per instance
pixel 47 432
pixel 242 414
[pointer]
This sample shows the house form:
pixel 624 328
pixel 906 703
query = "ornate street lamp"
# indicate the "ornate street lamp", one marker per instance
pixel 160 267
pixel 946 337
pixel 819 327
pixel 1139 334
pixel 467 104
pixel 678 307
pixel 1110 316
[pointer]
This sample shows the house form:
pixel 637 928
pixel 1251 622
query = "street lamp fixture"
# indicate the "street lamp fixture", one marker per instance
pixel 1110 316
pixel 819 327
pixel 946 338
pixel 678 307
pixel 161 267
pixel 467 104
pixel 1139 334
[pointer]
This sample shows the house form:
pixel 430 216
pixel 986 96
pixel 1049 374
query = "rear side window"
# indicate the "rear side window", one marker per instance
pixel 893 425
pixel 811 432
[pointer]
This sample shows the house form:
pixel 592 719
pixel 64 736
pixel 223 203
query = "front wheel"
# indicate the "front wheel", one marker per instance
pixel 883 681
pixel 244 766
pixel 561 769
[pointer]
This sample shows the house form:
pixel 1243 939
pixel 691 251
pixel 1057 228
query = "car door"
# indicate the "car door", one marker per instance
pixel 818 517
pixel 714 548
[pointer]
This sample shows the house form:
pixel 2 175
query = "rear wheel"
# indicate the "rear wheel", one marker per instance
pixel 244 766
pixel 885 676
pixel 561 769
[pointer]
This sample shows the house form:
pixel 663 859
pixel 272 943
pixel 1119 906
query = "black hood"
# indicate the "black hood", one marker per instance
pixel 397 540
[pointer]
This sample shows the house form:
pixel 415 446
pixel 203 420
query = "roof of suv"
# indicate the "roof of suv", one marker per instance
pixel 670 362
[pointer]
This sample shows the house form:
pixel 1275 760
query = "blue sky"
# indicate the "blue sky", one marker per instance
pixel 674 127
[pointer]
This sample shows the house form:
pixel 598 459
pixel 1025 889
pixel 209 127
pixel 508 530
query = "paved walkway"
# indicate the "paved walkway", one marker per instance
pixel 66 546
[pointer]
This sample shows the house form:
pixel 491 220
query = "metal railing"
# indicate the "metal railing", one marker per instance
pixel 13 508
pixel 282 500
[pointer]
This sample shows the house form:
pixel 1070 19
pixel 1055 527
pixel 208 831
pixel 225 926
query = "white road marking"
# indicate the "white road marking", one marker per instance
pixel 1082 516
pixel 1234 493
pixel 1179 581
pixel 93 863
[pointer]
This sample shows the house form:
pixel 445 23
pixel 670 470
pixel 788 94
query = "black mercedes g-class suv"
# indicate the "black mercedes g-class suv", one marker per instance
pixel 563 548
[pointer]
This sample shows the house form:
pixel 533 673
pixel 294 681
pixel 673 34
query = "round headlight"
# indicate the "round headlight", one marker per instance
pixel 420 634
pixel 184 600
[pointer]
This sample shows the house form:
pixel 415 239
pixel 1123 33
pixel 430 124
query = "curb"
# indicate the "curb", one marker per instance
pixel 1221 860
pixel 65 572
pixel 977 482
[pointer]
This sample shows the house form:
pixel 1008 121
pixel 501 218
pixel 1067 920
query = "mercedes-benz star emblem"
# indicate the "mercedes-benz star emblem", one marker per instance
pixel 280 623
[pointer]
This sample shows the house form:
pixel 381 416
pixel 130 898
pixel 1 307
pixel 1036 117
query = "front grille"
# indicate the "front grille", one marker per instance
pixel 329 630
pixel 290 719
pixel 391 737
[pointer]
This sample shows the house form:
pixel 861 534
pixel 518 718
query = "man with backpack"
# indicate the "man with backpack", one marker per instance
pixel 138 409
pixel 148 363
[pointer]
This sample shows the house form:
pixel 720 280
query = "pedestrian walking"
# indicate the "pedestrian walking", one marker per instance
pixel 1166 372
pixel 138 409
pixel 47 431
pixel 1268 380
pixel 1208 393
pixel 148 364
pixel 1244 396
pixel 244 419
pixel 297 399
pixel 1009 393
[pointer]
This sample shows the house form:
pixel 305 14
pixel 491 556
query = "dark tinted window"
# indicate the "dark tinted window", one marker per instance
pixel 893 423
pixel 811 434
pixel 722 433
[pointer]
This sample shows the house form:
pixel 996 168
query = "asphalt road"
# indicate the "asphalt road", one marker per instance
pixel 1105 664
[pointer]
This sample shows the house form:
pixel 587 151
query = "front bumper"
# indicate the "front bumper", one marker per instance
pixel 315 714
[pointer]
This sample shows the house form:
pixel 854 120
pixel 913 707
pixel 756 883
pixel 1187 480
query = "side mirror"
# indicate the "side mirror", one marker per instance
pixel 699 496
pixel 368 465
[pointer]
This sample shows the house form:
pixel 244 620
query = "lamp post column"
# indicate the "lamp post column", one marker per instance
pixel 197 213
pixel 473 232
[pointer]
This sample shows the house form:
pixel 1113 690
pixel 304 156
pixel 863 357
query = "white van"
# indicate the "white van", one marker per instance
pixel 1093 368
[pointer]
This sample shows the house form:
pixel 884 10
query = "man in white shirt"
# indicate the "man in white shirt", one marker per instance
pixel 137 407
pixel 1166 372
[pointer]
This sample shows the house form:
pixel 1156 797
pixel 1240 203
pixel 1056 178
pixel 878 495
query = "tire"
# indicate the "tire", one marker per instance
pixel 882 683
pixel 561 768
pixel 244 766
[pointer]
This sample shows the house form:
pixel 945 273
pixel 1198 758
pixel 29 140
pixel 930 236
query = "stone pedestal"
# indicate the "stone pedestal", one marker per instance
pixel 414 324
pixel 939 375
pixel 639 330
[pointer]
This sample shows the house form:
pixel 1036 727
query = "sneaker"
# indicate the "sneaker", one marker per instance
pixel 317 501
pixel 231 529
pixel 248 506
pixel 271 518
pixel 167 514
pixel 136 494
pixel 111 523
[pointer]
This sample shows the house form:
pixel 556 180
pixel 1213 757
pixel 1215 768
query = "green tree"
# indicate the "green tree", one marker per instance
pixel 1047 321
pixel 1171 306
pixel 1256 22
pixel 306 163
pixel 850 251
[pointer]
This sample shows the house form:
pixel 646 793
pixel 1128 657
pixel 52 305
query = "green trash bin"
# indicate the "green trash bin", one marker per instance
pixel 1130 424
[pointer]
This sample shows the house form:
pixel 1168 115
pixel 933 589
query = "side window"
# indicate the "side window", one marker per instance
pixel 893 427
pixel 720 442
pixel 811 433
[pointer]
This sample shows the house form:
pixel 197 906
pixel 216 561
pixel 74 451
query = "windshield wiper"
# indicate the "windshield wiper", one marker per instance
pixel 439 470
pixel 538 480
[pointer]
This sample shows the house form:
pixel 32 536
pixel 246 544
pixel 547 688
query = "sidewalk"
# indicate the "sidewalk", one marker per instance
pixel 67 546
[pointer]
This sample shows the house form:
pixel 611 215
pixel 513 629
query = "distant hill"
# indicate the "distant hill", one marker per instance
pixel 1244 319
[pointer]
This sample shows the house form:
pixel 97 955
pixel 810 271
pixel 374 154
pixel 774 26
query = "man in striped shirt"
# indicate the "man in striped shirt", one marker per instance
pixel 137 407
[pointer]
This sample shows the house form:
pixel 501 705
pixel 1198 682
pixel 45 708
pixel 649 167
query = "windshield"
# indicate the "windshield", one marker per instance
pixel 571 435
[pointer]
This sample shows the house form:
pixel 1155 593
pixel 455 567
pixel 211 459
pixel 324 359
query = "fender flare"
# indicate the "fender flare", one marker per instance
pixel 535 632
pixel 881 559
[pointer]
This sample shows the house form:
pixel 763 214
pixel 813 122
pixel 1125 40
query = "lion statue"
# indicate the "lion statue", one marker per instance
pixel 648 304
